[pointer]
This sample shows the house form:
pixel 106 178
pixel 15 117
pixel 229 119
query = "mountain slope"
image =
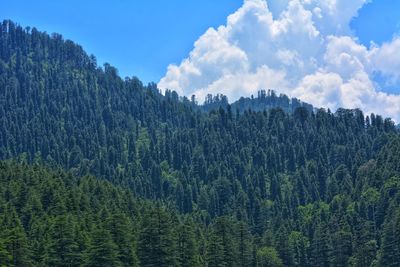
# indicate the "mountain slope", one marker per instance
pixel 309 188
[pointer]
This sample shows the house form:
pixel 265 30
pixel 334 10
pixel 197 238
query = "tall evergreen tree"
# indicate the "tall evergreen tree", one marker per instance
pixel 62 249
pixel 188 254
pixel 215 251
pixel 15 239
pixel 123 236
pixel 157 240
pixel 268 257
pixel 102 250
pixel 245 245
pixel 390 252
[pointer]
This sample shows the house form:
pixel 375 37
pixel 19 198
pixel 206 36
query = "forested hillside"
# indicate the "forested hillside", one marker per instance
pixel 265 100
pixel 234 186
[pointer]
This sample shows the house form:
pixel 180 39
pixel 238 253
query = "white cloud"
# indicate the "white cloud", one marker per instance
pixel 386 60
pixel 321 89
pixel 303 48
pixel 345 57
pixel 244 83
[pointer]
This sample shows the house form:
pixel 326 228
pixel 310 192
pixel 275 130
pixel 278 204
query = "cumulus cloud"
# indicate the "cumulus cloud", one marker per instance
pixel 303 48
pixel 386 60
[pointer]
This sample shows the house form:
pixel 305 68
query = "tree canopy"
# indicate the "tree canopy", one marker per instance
pixel 98 170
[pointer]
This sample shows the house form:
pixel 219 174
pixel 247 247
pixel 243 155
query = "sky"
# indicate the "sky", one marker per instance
pixel 139 37
pixel 330 53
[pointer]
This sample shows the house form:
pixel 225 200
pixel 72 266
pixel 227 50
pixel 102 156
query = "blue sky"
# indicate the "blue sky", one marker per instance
pixel 377 21
pixel 142 37
pixel 139 37
pixel 337 53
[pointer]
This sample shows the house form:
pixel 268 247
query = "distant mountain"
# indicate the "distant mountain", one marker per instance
pixel 265 100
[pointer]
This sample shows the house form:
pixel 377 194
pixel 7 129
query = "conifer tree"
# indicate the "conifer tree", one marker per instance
pixel 5 257
pixel 123 236
pixel 268 257
pixel 215 251
pixel 102 250
pixel 390 250
pixel 62 249
pixel 245 245
pixel 157 240
pixel 15 240
pixel 188 254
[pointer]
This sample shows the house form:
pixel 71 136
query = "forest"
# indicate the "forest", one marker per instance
pixel 99 170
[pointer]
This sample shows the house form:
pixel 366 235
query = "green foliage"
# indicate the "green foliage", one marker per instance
pixel 14 239
pixel 157 240
pixel 268 257
pixel 273 183
pixel 390 251
pixel 298 249
pixel 71 234
pixel 62 247
pixel 122 232
pixel 215 251
pixel 188 254
pixel 102 250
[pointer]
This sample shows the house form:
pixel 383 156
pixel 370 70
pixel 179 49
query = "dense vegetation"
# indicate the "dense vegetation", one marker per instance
pixel 265 100
pixel 234 186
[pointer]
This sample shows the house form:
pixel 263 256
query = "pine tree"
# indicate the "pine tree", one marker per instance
pixel 5 256
pixel 320 247
pixel 365 248
pixel 102 250
pixel 62 249
pixel 268 257
pixel 245 246
pixel 215 251
pixel 157 240
pixel 188 255
pixel 298 249
pixel 15 240
pixel 390 248
pixel 341 248
pixel 121 232
pixel 224 229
